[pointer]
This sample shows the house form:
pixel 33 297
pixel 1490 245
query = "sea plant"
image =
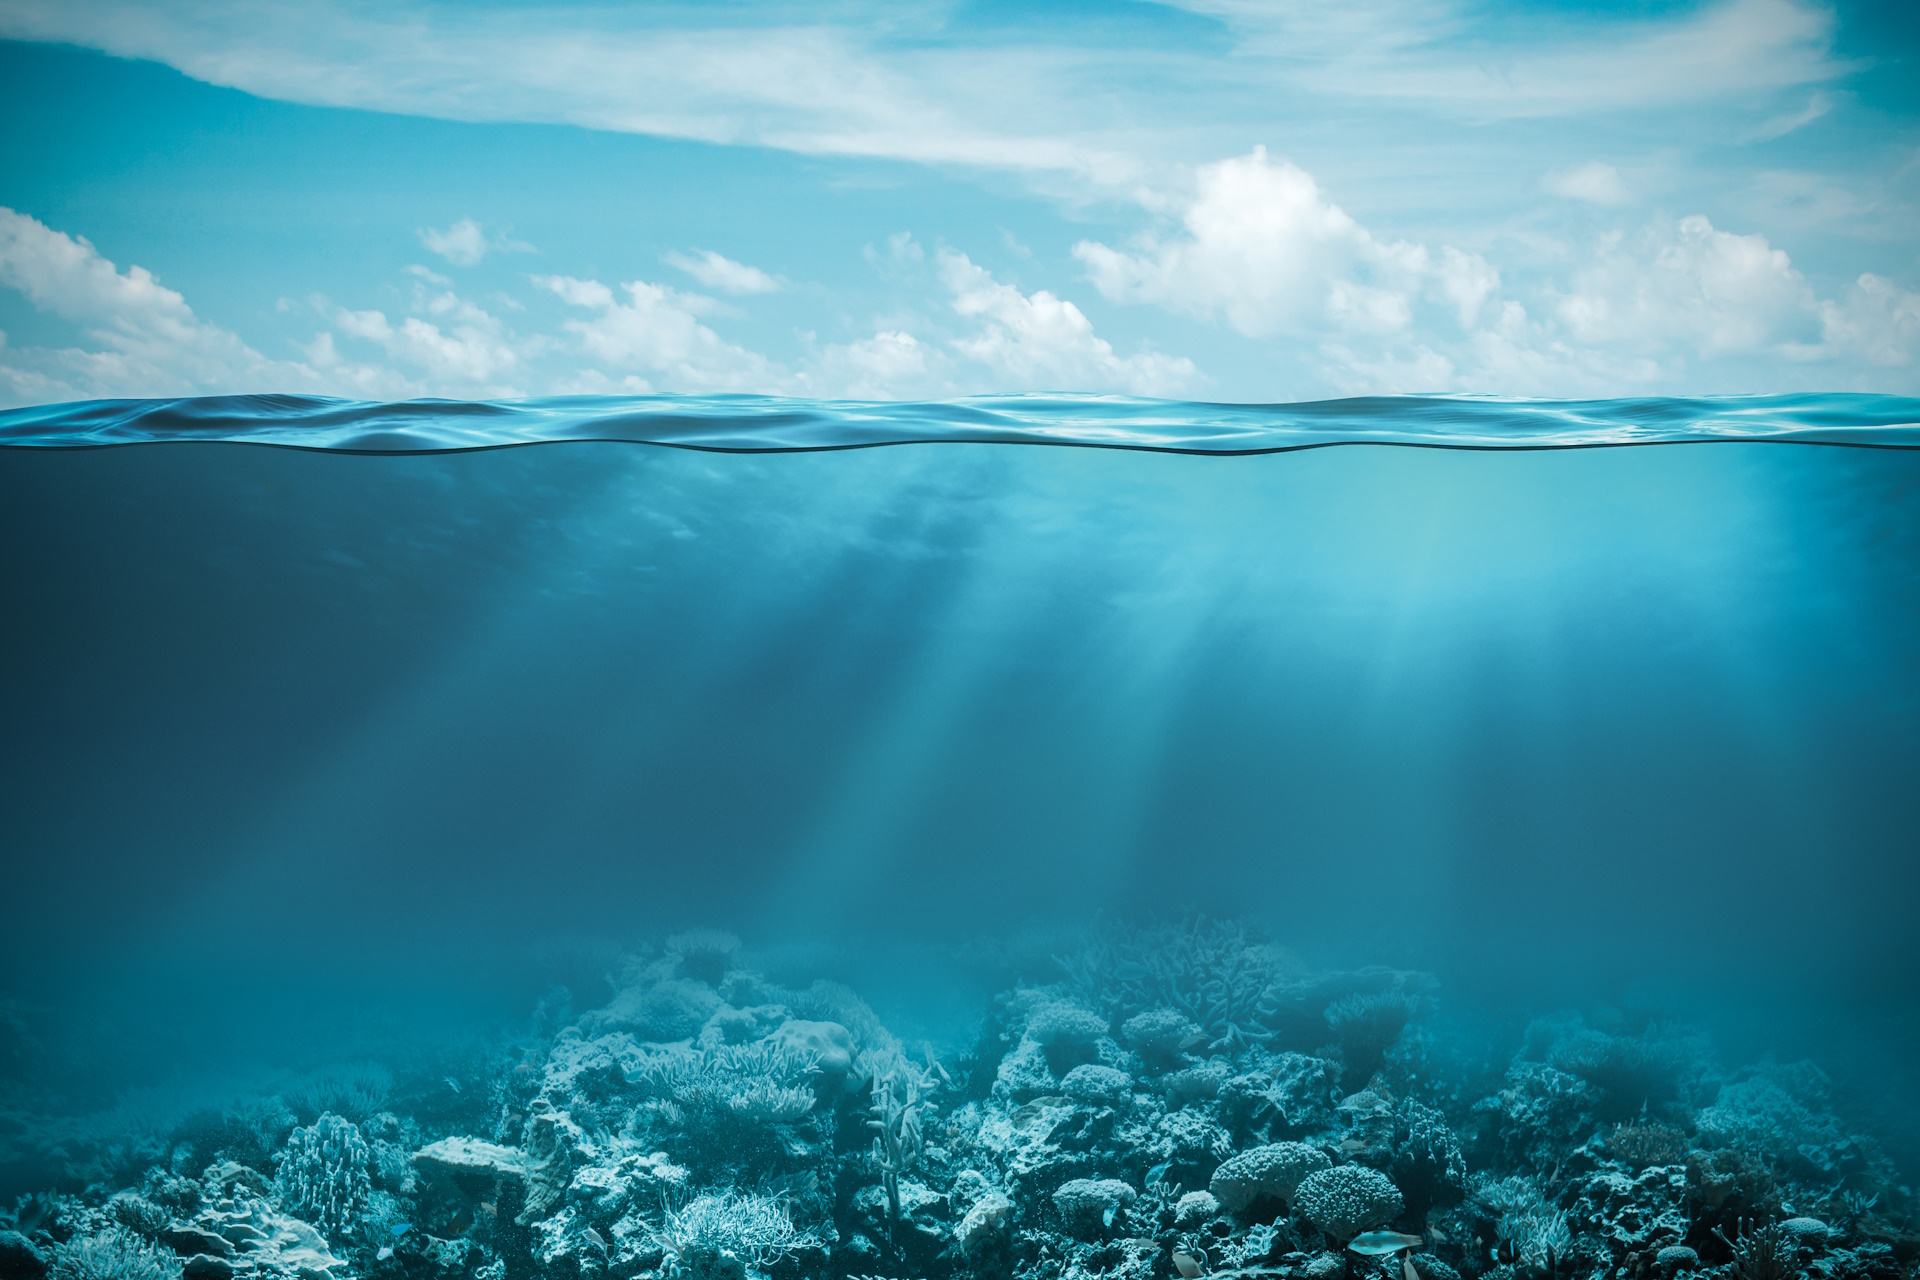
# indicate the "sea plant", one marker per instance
pixel 114 1254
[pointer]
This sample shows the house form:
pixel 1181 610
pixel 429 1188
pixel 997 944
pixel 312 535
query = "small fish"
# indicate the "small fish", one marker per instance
pixel 1158 1172
pixel 386 1251
pixel 452 1084
pixel 1194 1041
pixel 1378 1244
pixel 1188 1265
pixel 597 1238
pixel 1505 1253
pixel 1352 1145
pixel 400 1228
pixel 1107 1217
pixel 1406 1268
pixel 1438 1234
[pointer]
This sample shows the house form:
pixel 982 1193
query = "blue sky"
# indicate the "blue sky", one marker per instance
pixel 1220 199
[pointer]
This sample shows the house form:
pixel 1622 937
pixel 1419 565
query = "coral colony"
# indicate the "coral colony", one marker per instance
pixel 1171 1101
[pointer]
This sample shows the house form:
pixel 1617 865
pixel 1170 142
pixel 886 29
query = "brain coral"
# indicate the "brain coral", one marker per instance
pixel 1348 1200
pixel 1266 1171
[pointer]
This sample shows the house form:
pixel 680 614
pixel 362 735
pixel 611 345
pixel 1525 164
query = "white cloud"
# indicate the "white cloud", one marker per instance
pixel 718 272
pixel 891 365
pixel 1688 285
pixel 1264 248
pixel 466 242
pixel 1042 342
pixel 1877 321
pixel 143 339
pixel 449 345
pixel 656 332
pixel 1594 182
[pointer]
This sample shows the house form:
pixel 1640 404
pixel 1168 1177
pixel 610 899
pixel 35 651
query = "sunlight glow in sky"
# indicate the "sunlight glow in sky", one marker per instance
pixel 1216 199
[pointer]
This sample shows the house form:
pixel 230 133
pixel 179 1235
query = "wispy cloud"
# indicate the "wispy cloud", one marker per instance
pixel 717 271
pixel 1593 182
pixel 466 242
pixel 1780 126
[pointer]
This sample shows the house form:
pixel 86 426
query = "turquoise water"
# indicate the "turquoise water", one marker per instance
pixel 400 747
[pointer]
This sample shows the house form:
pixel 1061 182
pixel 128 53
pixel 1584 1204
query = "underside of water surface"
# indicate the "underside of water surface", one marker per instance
pixel 620 839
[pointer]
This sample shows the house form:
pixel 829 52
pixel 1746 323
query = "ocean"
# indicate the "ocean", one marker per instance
pixel 594 838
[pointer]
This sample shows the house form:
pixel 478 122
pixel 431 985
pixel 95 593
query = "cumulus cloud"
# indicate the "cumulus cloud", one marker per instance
pixel 448 345
pixel 1265 249
pixel 1594 182
pixel 1689 285
pixel 466 242
pixel 719 272
pixel 655 339
pixel 1041 341
pixel 141 338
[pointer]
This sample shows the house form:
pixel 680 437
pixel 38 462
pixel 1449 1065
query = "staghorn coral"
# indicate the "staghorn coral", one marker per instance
pixel 323 1175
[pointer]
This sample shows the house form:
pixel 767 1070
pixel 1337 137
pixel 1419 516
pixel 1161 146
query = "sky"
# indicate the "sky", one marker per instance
pixel 1233 200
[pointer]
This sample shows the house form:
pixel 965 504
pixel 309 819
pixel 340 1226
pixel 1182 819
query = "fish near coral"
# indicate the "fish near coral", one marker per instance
pixel 1378 1244
pixel 1187 1265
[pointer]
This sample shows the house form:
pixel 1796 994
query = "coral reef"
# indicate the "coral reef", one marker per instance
pixel 1181 1100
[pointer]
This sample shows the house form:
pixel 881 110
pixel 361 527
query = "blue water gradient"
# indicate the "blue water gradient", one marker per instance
pixel 773 424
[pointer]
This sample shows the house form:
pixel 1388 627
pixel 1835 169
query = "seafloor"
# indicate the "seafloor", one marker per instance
pixel 1157 1101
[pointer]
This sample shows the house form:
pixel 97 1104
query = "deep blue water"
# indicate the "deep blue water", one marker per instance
pixel 342 749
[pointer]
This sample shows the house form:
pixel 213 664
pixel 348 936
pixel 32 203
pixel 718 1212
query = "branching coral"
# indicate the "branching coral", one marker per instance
pixel 323 1175
pixel 761 1083
pixel 1209 971
pixel 1762 1254
pixel 898 1142
pixel 756 1230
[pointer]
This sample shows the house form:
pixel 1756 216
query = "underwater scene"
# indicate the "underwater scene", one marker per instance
pixel 1030 837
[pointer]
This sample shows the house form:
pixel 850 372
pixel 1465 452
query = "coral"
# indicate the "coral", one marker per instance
pixel 658 1012
pixel 1539 1117
pixel 1630 1073
pixel 1365 1026
pixel 112 1255
pixel 898 1112
pixel 1762 1254
pixel 756 1231
pixel 1347 1200
pixel 1159 1036
pixel 1651 1143
pixel 1093 1205
pixel 323 1175
pixel 1098 1086
pixel 355 1090
pixel 1210 971
pixel 1524 1218
pixel 1275 1171
pixel 1194 1208
pixel 1428 1165
pixel 1064 1024
pixel 704 955
pixel 766 1082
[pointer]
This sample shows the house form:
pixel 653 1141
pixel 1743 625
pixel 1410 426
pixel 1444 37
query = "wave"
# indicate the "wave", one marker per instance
pixel 772 424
